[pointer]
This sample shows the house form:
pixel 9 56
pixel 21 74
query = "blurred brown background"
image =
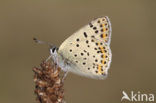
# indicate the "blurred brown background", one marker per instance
pixel 133 46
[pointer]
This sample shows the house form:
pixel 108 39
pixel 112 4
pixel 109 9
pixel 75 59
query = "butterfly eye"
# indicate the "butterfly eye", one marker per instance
pixel 53 50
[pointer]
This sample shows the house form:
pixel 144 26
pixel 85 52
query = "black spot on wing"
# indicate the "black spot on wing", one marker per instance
pixel 94 28
pixel 85 35
pixel 77 45
pixel 96 31
pixel 91 25
pixel 70 50
pixel 77 39
pixel 87 41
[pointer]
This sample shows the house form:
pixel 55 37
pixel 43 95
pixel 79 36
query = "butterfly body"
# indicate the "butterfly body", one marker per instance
pixel 87 52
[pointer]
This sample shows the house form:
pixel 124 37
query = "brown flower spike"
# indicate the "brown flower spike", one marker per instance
pixel 48 83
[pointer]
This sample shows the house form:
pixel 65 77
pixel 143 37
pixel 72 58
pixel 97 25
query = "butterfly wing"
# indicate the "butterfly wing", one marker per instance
pixel 87 50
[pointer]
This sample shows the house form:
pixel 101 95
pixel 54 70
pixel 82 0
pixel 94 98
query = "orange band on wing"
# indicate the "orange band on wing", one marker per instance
pixel 104 29
pixel 99 69
pixel 103 52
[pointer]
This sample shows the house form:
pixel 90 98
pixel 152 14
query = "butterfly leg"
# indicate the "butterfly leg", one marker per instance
pixel 48 58
pixel 64 76
pixel 65 69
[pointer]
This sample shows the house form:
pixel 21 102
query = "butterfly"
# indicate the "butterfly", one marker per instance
pixel 86 52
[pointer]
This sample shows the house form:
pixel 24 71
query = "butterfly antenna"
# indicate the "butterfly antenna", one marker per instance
pixel 42 42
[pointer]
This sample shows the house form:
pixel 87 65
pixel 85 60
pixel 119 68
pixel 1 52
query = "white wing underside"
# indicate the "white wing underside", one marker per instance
pixel 87 51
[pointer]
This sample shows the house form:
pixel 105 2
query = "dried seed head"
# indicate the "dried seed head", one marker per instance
pixel 48 83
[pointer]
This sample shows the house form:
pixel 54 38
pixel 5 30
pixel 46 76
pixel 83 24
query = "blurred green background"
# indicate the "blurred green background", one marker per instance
pixel 133 46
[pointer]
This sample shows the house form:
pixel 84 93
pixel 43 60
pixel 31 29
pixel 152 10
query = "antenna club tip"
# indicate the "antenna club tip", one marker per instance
pixel 35 39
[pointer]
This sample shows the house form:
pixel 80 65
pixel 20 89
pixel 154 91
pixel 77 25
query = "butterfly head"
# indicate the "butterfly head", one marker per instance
pixel 54 53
